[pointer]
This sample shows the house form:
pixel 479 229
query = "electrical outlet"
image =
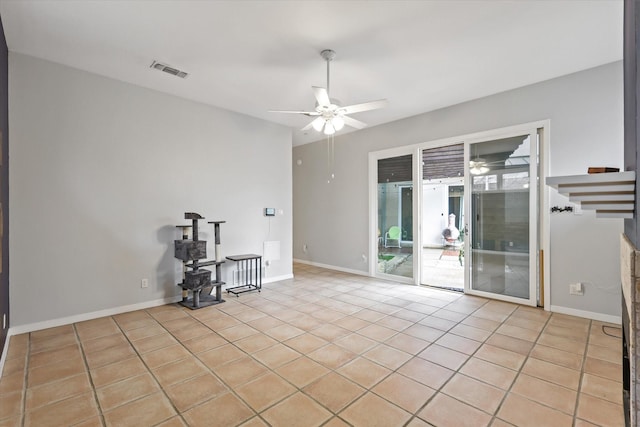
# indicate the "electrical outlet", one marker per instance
pixel 576 289
pixel 144 283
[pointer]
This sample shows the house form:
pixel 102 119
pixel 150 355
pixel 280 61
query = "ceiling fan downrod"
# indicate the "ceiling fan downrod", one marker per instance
pixel 328 56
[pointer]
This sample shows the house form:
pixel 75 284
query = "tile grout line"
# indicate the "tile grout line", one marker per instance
pixel 298 389
pixel 457 371
pixel 149 371
pixel 414 415
pixel 335 414
pixel 582 366
pixel 23 415
pixel 519 371
pixel 230 388
pixel 88 372
pixel 277 402
pixel 331 370
pixel 380 305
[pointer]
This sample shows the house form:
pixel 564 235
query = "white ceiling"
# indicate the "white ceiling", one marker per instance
pixel 254 56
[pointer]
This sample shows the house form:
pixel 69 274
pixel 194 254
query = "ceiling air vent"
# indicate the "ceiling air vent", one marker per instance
pixel 170 70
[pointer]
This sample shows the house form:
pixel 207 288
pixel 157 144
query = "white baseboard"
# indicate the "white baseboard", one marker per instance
pixel 332 267
pixel 587 314
pixel 31 327
pixel 277 278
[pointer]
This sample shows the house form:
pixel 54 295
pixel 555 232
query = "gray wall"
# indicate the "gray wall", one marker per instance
pixel 586 114
pixel 102 171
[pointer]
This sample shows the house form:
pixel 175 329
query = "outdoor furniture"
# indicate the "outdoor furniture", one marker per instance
pixel 393 235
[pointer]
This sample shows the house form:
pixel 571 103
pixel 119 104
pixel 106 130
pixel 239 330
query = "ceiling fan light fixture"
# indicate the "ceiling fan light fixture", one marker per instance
pixel 318 124
pixel 478 166
pixel 337 122
pixel 329 129
pixel 330 115
pixel 478 170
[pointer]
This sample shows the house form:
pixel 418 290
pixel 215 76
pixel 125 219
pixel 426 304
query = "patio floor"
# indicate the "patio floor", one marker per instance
pixel 440 266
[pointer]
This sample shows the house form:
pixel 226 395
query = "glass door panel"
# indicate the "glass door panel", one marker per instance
pixel 395 216
pixel 502 219
pixel 442 215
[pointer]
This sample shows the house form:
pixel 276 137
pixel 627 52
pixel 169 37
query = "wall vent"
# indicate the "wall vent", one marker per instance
pixel 170 70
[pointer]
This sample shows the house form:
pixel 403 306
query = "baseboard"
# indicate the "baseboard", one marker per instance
pixel 31 327
pixel 277 278
pixel 332 267
pixel 587 314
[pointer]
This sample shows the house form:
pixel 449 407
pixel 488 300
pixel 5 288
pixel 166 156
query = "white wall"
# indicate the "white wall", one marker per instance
pixel 435 209
pixel 435 204
pixel 101 172
pixel 586 114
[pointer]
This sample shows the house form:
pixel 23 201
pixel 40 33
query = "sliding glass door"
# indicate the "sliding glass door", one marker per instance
pixel 462 213
pixel 442 217
pixel 501 221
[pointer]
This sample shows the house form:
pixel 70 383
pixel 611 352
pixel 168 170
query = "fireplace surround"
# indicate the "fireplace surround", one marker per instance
pixel 630 274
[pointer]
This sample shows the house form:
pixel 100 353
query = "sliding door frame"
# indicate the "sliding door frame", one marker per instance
pixel 534 213
pixel 373 212
pixel 544 132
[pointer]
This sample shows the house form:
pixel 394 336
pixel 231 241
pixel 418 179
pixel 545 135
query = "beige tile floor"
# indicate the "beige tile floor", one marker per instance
pixel 324 349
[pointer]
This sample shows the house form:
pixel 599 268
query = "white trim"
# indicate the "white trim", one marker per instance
pixel 374 156
pixel 398 279
pixel 587 314
pixel 31 327
pixel 5 350
pixel 417 217
pixel 534 214
pixel 332 267
pixel 373 215
pixel 545 227
pixel 277 278
pixel 457 139
pixel 467 217
pixel 534 233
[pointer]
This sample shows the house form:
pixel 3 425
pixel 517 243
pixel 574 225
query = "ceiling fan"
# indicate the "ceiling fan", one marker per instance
pixel 329 115
pixel 478 166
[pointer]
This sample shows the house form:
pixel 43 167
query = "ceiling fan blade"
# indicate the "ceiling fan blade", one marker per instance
pixel 306 113
pixel 365 106
pixel 349 121
pixel 322 96
pixel 317 120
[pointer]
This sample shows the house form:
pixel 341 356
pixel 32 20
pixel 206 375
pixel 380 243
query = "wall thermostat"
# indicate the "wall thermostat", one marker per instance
pixel 269 211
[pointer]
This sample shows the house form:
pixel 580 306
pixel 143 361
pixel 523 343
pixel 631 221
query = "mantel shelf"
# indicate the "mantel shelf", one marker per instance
pixel 611 195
